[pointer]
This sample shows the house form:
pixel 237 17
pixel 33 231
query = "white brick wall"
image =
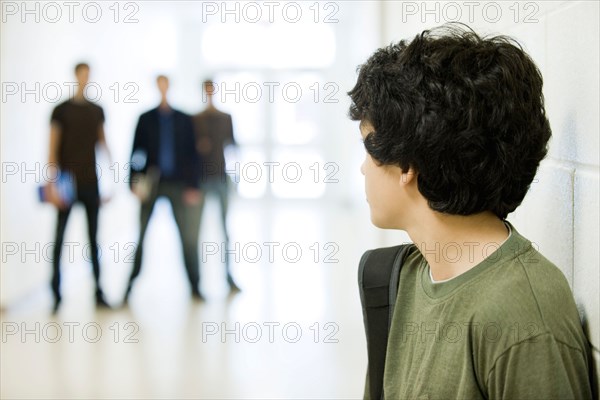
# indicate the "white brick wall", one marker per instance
pixel 572 96
pixel 586 282
pixel 546 215
pixel 561 212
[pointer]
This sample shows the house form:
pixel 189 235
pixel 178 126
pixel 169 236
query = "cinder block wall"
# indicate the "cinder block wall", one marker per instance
pixel 561 212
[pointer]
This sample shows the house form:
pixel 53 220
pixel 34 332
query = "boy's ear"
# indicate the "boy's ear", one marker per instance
pixel 408 176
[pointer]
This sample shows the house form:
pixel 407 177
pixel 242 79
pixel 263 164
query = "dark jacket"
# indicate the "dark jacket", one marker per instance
pixel 147 142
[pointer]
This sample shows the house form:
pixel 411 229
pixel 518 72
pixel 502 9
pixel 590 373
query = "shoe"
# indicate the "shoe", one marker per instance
pixel 57 301
pixel 127 293
pixel 197 296
pixel 233 288
pixel 101 301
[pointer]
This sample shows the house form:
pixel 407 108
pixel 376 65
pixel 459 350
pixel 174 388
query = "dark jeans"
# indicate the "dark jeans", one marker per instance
pixel 187 219
pixel 220 187
pixel 90 198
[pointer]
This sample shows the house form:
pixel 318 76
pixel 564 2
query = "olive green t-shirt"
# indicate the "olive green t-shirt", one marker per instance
pixel 506 329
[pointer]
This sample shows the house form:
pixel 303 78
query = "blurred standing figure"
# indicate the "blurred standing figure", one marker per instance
pixel 164 157
pixel 77 125
pixel 214 132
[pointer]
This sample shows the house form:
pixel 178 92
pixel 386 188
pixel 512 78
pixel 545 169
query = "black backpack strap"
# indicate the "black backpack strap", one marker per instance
pixel 378 278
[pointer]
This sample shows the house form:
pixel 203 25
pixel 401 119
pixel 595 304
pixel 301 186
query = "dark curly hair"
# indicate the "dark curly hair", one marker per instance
pixel 465 112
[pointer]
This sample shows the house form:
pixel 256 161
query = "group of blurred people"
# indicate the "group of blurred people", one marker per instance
pixel 174 155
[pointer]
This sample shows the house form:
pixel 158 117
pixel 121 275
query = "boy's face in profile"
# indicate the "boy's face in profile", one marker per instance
pixel 385 187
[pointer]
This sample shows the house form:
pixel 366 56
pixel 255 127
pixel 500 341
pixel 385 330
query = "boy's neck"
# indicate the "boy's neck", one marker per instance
pixel 453 244
pixel 79 96
pixel 210 106
pixel 164 104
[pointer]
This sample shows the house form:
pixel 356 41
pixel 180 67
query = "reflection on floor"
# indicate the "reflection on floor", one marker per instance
pixel 295 330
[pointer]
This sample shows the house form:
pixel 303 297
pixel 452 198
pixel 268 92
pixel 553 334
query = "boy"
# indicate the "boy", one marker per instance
pixel 77 126
pixel 454 128
pixel 164 142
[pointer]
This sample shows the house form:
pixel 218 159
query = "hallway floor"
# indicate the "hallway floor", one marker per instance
pixel 294 331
